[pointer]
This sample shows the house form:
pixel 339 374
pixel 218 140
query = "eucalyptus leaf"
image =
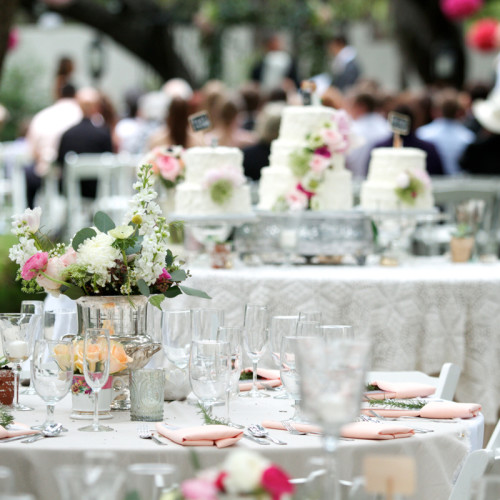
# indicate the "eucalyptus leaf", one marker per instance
pixel 135 248
pixel 72 291
pixel 194 292
pixel 81 236
pixel 103 222
pixel 172 292
pixel 178 275
pixel 169 258
pixel 156 300
pixel 143 287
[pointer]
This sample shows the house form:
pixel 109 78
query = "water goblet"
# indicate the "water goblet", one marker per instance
pixel 96 360
pixel 331 333
pixel 176 333
pixel 17 332
pixel 52 370
pixel 310 316
pixel 206 322
pixel 255 337
pixel 32 307
pixel 209 368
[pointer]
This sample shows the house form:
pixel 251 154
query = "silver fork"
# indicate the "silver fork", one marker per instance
pixel 288 426
pixel 145 433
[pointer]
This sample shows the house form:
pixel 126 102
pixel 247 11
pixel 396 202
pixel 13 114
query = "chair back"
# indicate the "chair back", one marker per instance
pixel 475 466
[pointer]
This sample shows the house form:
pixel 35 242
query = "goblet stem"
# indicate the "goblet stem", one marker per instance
pixel 50 415
pixel 17 373
pixel 95 421
pixel 297 417
pixel 331 487
pixel 228 399
pixel 254 390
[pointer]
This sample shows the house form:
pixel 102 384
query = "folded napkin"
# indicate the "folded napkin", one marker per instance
pixel 374 430
pixel 247 386
pixel 272 379
pixel 434 409
pixel 276 424
pixel 203 435
pixel 16 429
pixel 400 390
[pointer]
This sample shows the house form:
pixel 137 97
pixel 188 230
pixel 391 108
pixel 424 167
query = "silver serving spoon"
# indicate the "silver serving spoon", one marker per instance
pixel 261 432
pixel 52 430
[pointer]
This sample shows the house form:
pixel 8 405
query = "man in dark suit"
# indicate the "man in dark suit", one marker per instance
pixel 345 69
pixel 86 137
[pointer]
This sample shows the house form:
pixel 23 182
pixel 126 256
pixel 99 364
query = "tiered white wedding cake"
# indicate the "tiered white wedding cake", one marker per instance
pixel 307 162
pixel 397 179
pixel 214 184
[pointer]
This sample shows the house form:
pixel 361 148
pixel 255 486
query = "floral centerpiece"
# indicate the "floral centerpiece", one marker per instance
pixel 244 474
pixel 221 183
pixel 411 185
pixel 128 259
pixel 167 163
pixel 324 146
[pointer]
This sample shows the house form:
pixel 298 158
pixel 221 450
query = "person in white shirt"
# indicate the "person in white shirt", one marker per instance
pixel 446 132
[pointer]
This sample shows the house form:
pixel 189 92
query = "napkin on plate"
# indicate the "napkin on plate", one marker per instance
pixel 272 379
pixel 16 429
pixel 400 390
pixel 434 409
pixel 374 430
pixel 276 424
pixel 202 435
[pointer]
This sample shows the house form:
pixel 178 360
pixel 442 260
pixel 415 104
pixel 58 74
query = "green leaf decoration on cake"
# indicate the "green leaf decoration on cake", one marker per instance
pixel 410 189
pixel 299 162
pixel 221 191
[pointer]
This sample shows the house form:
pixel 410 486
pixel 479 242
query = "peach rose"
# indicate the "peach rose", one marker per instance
pixel 118 359
pixel 62 353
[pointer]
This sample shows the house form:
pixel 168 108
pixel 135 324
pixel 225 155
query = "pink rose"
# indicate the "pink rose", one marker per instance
pixel 297 200
pixel 53 271
pixel 34 265
pixel 165 275
pixel 199 489
pixel 334 140
pixel 69 257
pixel 276 482
pixel 169 167
pixel 319 163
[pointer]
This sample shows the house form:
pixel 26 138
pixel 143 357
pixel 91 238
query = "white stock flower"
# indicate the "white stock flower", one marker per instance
pixel 28 222
pixel 97 255
pixel 244 471
pixel 21 252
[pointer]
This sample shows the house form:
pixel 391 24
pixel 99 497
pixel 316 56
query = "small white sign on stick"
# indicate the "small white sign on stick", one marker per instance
pixel 400 125
pixel 200 121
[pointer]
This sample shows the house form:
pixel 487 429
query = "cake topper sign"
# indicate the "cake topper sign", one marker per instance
pixel 200 121
pixel 307 88
pixel 400 125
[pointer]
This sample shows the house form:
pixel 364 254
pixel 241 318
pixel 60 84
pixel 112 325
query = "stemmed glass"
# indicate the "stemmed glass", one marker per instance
pixel 176 333
pixel 331 393
pixel 281 326
pixel 17 333
pixel 310 316
pixel 206 322
pixel 307 328
pixel 33 307
pixel 209 370
pixel 96 356
pixel 255 336
pixel 52 369
pixel 57 324
pixel 331 333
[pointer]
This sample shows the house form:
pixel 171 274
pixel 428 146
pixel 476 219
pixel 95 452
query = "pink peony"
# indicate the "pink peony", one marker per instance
pixel 319 163
pixel 34 265
pixel 334 140
pixel 297 200
pixel 276 482
pixel 460 9
pixel 199 489
pixel 168 167
pixel 483 35
pixel 53 271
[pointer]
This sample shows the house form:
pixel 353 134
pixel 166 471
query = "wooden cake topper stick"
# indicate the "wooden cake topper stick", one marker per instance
pixel 400 125
pixel 307 89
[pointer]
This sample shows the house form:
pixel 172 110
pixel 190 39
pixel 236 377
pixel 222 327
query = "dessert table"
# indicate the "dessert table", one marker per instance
pixel 439 454
pixel 421 314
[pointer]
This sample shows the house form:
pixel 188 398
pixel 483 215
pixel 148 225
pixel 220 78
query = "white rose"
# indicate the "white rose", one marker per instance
pixel 403 180
pixel 244 471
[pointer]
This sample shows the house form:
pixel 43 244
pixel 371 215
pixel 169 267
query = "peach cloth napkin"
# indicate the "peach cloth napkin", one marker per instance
pixel 272 379
pixel 400 390
pixel 355 430
pixel 202 435
pixel 435 409
pixel 16 429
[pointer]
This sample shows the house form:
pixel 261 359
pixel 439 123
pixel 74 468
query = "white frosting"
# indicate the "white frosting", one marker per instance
pixel 334 193
pixel 386 164
pixel 193 198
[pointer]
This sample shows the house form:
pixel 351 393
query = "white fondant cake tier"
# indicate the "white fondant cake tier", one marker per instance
pixel 378 192
pixel 298 121
pixel 199 161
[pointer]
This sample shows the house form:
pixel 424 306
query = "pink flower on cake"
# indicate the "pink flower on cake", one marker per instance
pixel 169 167
pixel 276 482
pixel 319 163
pixel 34 265
pixel 334 140
pixel 227 173
pixel 343 122
pixel 297 200
pixel 423 176
pixel 460 9
pixel 323 151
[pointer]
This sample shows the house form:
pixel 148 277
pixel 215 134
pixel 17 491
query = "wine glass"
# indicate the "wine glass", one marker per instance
pixel 310 316
pixel 17 332
pixel 96 356
pixel 52 371
pixel 209 370
pixel 307 328
pixel 59 323
pixel 332 333
pixel 148 481
pixel 331 393
pixel 176 333
pixel 233 335
pixel 255 336
pixel 206 322
pixel 32 307
pixel 281 326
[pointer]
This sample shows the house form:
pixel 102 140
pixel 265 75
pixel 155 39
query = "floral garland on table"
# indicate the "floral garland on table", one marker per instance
pixel 309 163
pixel 244 472
pixel 168 165
pixel 221 183
pixel 106 259
pixel 412 185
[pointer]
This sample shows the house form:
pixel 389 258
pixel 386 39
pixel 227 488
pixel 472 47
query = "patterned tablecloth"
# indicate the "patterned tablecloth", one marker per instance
pixel 419 315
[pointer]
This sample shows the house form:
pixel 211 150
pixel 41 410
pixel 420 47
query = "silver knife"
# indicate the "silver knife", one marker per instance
pixel 36 437
pixel 17 438
pixel 256 439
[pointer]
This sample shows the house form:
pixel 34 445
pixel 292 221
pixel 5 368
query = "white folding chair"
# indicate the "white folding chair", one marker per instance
pixel 445 384
pixel 494 442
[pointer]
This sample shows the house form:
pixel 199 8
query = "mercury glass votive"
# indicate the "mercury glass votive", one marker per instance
pixel 147 388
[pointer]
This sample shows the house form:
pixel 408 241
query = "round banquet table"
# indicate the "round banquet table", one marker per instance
pixel 419 315
pixel 439 454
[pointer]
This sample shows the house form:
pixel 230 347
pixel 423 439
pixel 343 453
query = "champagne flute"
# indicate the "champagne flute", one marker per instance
pixel 52 369
pixel 209 371
pixel 176 333
pixel 96 356
pixel 255 336
pixel 206 322
pixel 17 332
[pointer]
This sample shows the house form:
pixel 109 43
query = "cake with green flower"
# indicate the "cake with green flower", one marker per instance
pixel 214 183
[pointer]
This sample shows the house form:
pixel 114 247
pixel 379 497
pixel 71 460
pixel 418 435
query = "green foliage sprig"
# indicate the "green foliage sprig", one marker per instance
pixel 410 404
pixel 208 419
pixel 5 417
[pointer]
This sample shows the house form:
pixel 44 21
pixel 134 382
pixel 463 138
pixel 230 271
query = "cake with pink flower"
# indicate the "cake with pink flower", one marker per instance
pixel 214 183
pixel 397 180
pixel 307 162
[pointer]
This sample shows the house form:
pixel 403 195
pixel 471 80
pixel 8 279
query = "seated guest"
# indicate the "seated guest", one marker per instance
pixel 481 157
pixel 268 126
pixel 446 132
pixel 85 137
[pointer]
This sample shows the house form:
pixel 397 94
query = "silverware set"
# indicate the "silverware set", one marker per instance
pixel 144 432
